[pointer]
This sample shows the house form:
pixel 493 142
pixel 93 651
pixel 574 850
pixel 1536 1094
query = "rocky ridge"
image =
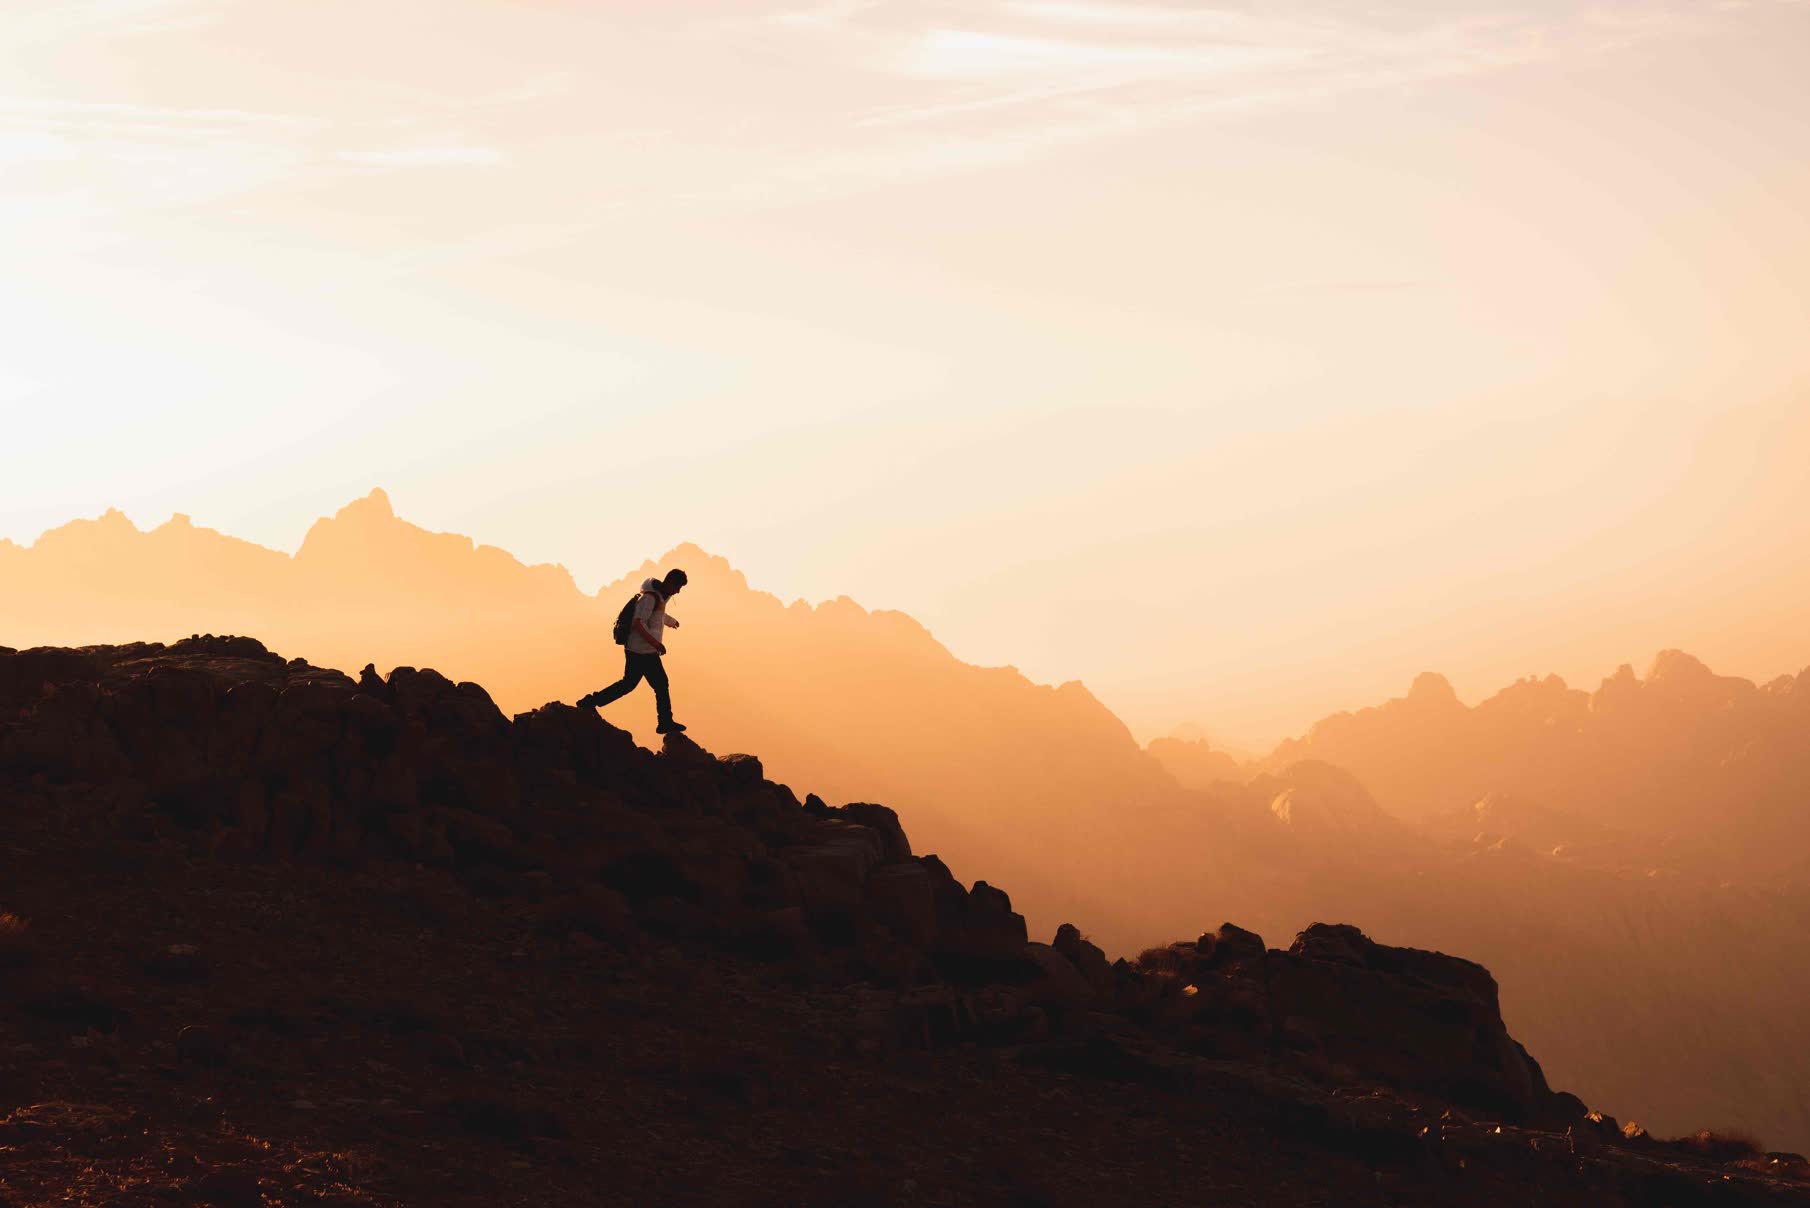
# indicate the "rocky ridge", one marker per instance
pixel 604 876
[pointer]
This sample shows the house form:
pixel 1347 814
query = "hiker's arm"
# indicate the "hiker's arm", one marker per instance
pixel 647 637
pixel 673 621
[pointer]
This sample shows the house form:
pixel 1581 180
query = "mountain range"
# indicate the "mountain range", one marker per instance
pixel 272 934
pixel 1629 861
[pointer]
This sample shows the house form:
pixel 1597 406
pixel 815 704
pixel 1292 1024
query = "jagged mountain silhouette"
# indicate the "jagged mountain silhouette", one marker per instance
pixel 474 940
pixel 1602 965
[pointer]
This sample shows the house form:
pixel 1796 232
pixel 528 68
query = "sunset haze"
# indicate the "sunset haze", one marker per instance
pixel 1327 346
pixel 905 602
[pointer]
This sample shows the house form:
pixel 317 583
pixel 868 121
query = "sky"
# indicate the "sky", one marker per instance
pixel 1240 360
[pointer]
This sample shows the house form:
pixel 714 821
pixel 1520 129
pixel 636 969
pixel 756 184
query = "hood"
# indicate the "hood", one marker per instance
pixel 650 585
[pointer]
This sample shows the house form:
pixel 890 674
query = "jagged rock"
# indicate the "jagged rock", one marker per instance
pixel 68 737
pixel 1085 956
pixel 979 935
pixel 986 899
pixel 1416 1019
pixel 1339 944
pixel 596 839
pixel 1061 984
pixel 832 871
pixel 878 818
pixel 1231 945
pixel 558 738
pixel 903 897
pixel 1604 1127
pixel 24 673
pixel 742 771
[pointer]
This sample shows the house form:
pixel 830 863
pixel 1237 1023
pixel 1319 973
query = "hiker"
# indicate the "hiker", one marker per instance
pixel 639 628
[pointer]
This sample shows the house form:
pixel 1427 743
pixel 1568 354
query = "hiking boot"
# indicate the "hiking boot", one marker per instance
pixel 588 701
pixel 669 727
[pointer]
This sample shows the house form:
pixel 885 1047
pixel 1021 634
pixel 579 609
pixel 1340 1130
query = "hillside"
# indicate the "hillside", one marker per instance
pixel 273 935
pixel 1582 907
pixel 1628 862
pixel 857 703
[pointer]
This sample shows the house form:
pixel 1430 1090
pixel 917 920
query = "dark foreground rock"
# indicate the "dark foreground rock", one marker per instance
pixel 280 936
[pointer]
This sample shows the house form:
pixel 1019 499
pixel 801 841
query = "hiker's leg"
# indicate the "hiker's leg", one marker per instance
pixel 631 676
pixel 656 675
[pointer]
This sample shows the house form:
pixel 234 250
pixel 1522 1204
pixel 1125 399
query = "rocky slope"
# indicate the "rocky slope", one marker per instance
pixel 291 937
pixel 1607 883
pixel 859 702
pixel 1628 861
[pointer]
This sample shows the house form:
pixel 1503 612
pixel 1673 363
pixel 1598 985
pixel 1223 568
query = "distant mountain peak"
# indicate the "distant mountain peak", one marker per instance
pixel 375 506
pixel 700 566
pixel 1677 666
pixel 116 520
pixel 1430 687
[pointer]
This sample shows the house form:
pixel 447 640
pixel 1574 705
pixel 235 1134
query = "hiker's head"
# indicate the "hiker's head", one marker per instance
pixel 674 580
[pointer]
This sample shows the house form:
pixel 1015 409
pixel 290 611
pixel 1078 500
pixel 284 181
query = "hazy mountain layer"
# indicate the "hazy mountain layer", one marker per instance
pixel 1624 959
pixel 859 704
pixel 1714 768
pixel 374 943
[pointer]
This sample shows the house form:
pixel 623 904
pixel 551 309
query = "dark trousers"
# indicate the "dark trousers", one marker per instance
pixel 636 668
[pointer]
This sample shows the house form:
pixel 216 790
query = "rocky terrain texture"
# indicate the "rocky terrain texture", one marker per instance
pixel 852 702
pixel 1628 862
pixel 273 935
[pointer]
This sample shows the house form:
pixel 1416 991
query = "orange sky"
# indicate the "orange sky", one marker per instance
pixel 1239 360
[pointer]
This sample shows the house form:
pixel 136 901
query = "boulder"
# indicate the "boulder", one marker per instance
pixel 1419 1020
pixel 979 936
pixel 1085 956
pixel 741 771
pixel 903 898
pixel 1231 945
pixel 558 738
pixel 883 821
pixel 1060 984
pixel 832 871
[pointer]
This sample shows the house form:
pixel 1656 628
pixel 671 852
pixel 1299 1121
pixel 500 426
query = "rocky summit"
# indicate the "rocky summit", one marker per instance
pixel 271 935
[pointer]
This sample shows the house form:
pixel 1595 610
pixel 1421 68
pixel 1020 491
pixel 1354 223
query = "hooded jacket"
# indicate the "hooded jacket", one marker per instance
pixel 650 610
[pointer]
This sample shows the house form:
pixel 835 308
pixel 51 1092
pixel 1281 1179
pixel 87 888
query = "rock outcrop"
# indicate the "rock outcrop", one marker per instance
pixel 222 751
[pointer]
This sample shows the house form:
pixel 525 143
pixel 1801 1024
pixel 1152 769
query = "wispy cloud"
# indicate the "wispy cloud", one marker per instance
pixel 36 22
pixel 448 156
pixel 976 53
pixel 823 15
pixel 121 117
pixel 969 82
pixel 76 161
pixel 818 96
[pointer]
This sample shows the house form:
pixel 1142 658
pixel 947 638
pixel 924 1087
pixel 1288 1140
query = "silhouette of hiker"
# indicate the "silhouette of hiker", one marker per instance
pixel 642 648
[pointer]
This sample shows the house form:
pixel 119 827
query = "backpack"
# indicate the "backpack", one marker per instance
pixel 625 620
